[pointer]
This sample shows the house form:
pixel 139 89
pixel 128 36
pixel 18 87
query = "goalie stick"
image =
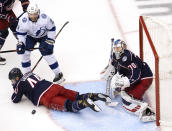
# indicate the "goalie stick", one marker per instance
pixel 55 38
pixel 108 90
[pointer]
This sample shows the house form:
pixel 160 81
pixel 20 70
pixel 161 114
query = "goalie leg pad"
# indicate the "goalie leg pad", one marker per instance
pixel 133 105
pixel 138 108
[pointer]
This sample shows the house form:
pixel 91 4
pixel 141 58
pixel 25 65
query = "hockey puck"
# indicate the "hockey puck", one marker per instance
pixel 33 112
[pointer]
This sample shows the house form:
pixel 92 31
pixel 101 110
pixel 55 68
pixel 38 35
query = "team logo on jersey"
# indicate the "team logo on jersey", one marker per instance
pixel 24 20
pixel 44 16
pixel 124 58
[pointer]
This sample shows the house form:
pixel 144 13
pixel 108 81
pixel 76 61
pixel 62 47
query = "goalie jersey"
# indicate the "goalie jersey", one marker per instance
pixel 131 66
pixel 32 86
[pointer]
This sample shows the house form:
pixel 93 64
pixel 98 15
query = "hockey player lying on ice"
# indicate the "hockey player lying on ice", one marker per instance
pixel 53 96
pixel 132 78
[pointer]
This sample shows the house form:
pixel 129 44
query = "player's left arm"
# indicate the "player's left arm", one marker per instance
pixel 17 94
pixel 24 4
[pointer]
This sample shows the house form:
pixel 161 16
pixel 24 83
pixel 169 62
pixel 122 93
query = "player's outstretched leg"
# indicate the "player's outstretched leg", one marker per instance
pixel 78 105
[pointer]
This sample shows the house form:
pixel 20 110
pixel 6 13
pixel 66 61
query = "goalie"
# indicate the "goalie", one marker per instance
pixel 129 77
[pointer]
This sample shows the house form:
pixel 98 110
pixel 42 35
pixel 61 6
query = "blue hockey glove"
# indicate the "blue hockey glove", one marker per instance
pixel 50 44
pixel 20 48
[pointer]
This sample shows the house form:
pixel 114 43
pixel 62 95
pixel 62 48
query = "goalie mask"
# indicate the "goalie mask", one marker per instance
pixel 118 48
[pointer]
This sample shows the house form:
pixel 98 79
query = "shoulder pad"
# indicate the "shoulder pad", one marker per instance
pixel 44 16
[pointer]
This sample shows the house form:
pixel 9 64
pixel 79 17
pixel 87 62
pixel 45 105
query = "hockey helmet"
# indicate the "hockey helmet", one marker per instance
pixel 15 72
pixel 33 12
pixel 118 48
pixel 33 8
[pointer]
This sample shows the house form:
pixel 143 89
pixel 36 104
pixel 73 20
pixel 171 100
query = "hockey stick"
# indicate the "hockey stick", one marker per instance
pixel 108 89
pixel 55 38
pixel 108 92
pixel 9 51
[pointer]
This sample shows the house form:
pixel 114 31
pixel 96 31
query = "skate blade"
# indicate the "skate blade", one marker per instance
pixel 103 98
pixel 148 118
pixel 112 104
pixel 96 108
pixel 2 63
pixel 60 81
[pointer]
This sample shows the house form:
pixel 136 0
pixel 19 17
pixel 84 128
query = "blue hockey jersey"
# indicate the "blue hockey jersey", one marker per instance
pixel 32 86
pixel 131 66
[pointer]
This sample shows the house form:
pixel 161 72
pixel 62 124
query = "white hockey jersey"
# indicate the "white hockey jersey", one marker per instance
pixel 44 26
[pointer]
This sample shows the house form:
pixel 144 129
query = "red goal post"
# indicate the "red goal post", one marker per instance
pixel 155 39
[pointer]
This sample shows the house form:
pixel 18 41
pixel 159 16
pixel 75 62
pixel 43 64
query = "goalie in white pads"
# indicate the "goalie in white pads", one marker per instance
pixel 35 26
pixel 132 78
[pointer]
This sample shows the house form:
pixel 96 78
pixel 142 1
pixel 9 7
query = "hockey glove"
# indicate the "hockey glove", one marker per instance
pixel 24 6
pixel 20 48
pixel 50 44
pixel 119 83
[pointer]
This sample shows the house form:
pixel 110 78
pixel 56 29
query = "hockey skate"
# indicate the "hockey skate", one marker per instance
pixel 92 105
pixel 106 99
pixel 59 78
pixel 99 96
pixel 2 61
pixel 147 115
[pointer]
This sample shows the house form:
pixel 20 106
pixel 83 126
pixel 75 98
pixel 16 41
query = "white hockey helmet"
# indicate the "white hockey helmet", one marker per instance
pixel 118 48
pixel 33 9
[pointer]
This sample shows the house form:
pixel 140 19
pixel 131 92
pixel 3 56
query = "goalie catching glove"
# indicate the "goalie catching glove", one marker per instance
pixel 119 82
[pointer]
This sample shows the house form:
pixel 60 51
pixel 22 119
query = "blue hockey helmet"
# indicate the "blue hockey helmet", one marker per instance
pixel 118 48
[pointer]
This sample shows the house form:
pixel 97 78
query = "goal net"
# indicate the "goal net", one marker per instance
pixel 156 49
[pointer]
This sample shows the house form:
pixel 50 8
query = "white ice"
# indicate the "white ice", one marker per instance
pixel 82 50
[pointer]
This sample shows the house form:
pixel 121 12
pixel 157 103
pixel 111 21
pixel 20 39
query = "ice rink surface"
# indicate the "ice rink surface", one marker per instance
pixel 82 50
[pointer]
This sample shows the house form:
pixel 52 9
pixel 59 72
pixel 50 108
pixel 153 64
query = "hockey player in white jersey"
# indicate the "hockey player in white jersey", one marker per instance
pixel 35 26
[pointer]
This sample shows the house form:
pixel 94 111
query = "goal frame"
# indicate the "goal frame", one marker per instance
pixel 143 27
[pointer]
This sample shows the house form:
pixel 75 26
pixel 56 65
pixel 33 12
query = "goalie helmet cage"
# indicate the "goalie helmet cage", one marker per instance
pixel 155 45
